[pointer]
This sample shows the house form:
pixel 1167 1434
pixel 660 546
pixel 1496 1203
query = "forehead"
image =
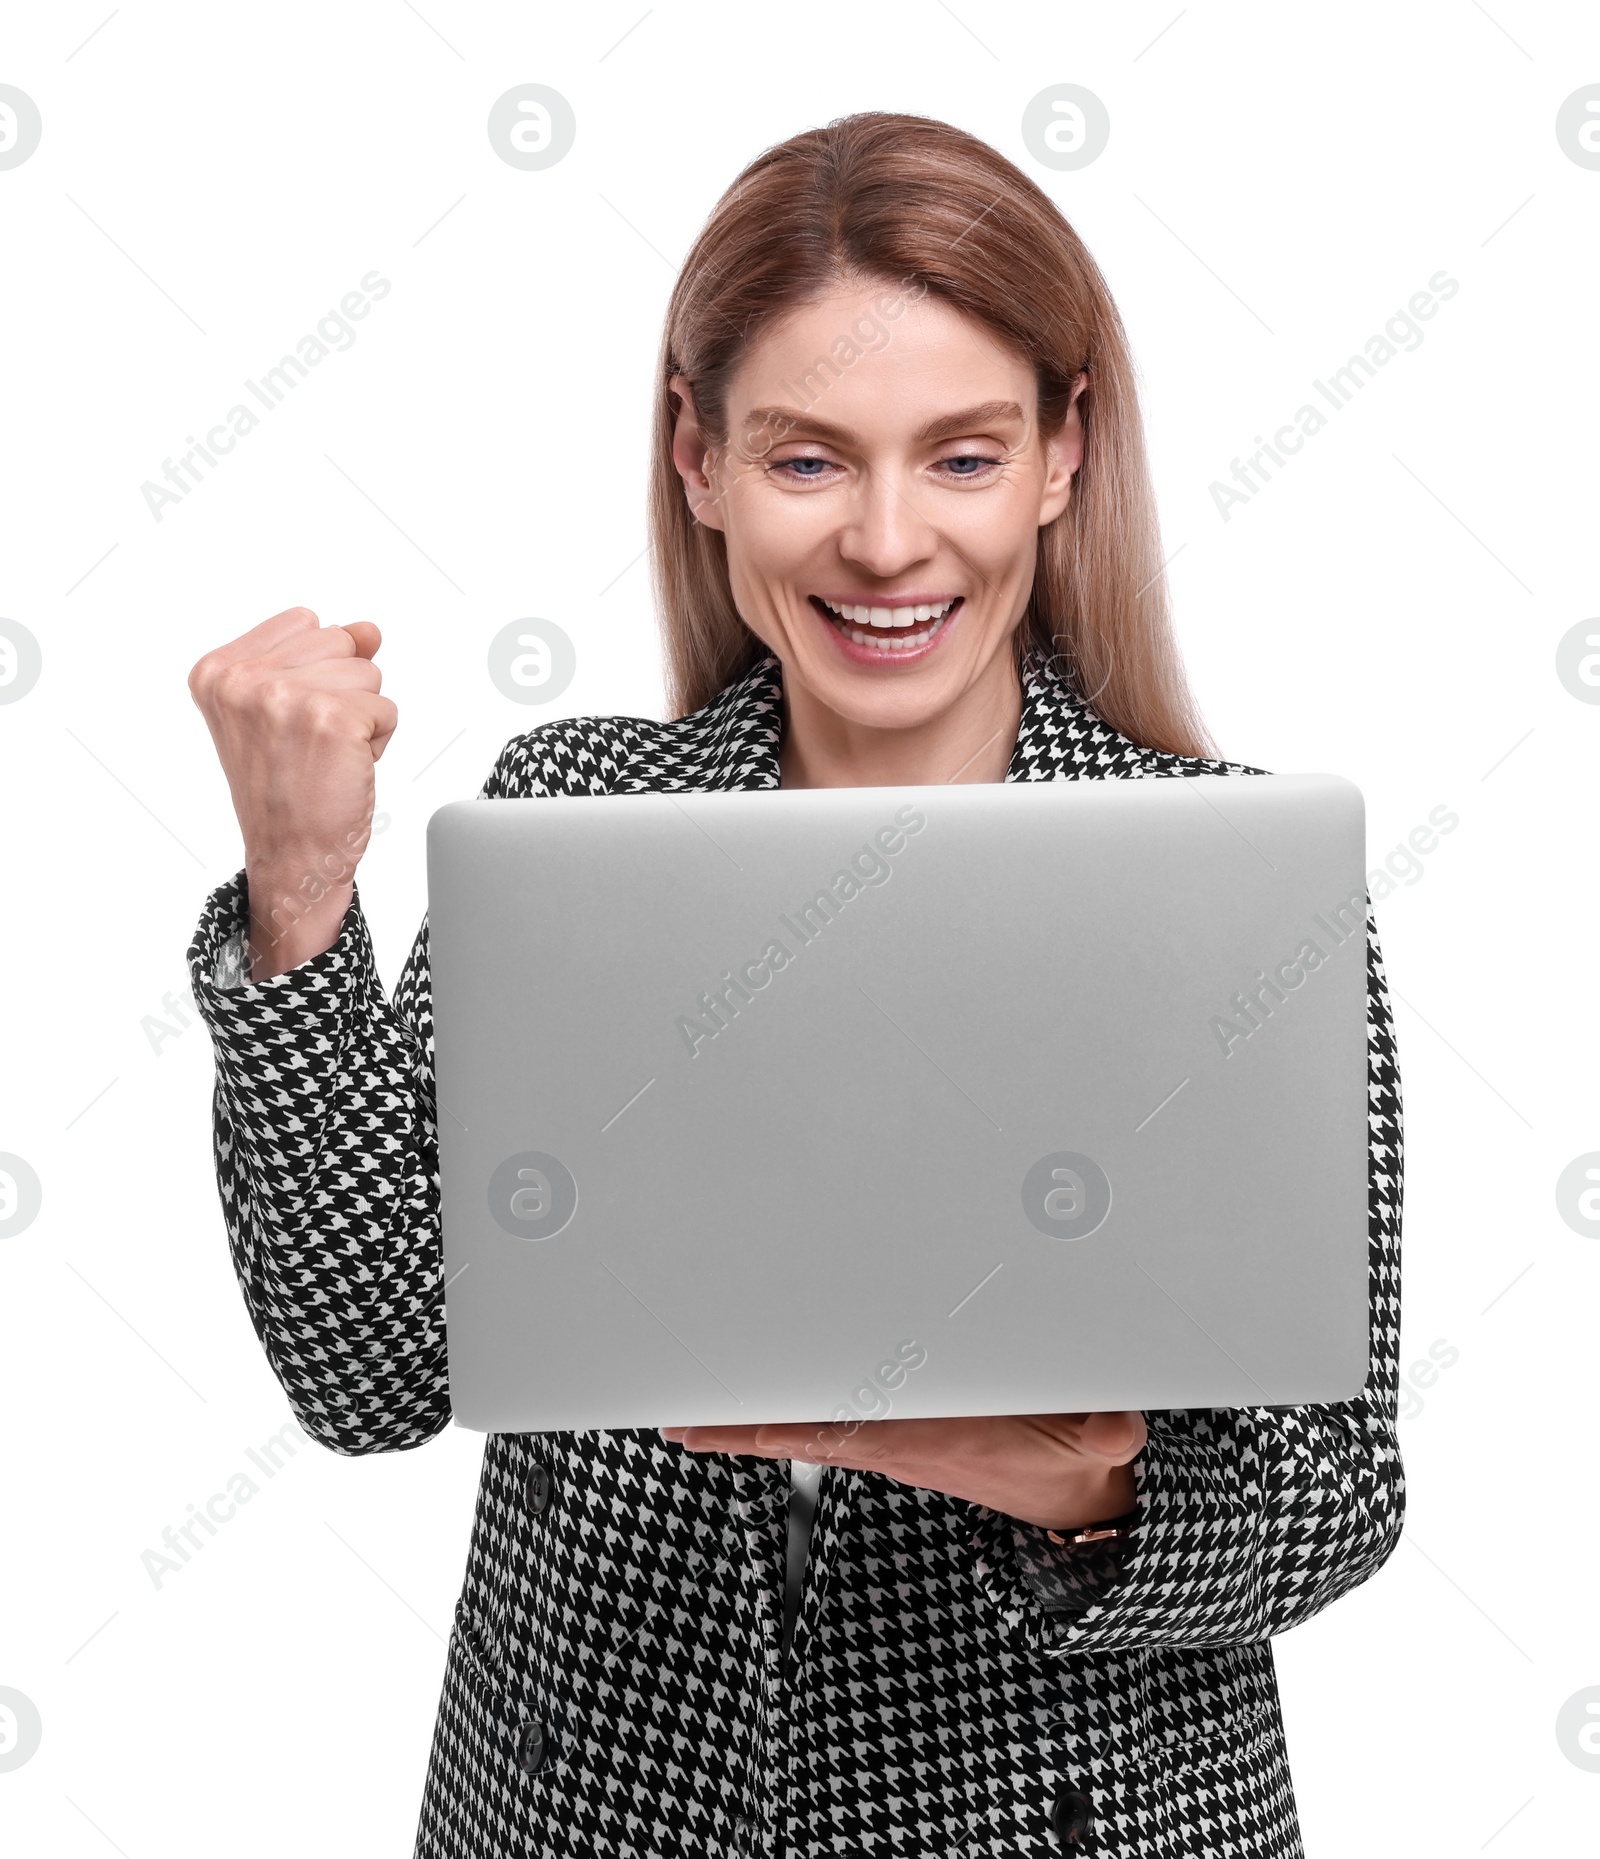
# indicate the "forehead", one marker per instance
pixel 869 351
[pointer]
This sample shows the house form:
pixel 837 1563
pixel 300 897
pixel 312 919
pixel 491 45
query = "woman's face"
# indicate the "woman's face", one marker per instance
pixel 881 492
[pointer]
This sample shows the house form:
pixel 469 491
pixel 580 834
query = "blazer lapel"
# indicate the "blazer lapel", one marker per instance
pixel 1061 739
pixel 732 743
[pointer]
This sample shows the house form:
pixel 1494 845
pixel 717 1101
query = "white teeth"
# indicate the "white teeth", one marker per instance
pixel 878 640
pixel 893 617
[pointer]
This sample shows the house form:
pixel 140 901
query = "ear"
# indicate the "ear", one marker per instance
pixel 691 456
pixel 1063 457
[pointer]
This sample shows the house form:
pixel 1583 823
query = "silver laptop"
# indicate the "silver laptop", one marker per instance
pixel 842 1103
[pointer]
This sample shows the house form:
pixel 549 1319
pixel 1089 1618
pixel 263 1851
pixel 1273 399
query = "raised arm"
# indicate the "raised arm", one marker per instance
pixel 326 1164
pixel 324 1131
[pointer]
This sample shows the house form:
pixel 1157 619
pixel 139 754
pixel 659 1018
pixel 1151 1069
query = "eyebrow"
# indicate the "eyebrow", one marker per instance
pixel 946 426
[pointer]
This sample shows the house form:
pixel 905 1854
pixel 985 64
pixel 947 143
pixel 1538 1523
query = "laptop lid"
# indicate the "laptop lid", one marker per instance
pixel 792 1105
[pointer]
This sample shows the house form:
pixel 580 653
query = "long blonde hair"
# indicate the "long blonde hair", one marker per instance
pixel 902 198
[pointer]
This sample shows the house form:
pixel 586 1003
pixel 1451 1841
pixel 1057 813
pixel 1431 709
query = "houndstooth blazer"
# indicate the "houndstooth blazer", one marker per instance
pixel 957 1685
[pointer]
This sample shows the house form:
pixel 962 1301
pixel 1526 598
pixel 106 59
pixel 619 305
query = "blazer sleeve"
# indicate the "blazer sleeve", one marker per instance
pixel 1247 1521
pixel 327 1166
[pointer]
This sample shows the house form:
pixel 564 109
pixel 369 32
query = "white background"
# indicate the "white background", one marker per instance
pixel 1278 182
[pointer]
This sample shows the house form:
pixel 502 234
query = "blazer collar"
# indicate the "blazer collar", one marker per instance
pixel 733 742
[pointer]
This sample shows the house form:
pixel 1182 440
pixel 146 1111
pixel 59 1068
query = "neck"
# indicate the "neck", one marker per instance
pixel 971 740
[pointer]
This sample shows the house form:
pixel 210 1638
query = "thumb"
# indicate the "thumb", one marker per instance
pixel 365 636
pixel 1115 1438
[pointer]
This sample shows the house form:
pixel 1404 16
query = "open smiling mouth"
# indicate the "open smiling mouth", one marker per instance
pixel 888 631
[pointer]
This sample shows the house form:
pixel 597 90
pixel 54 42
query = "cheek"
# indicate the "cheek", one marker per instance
pixel 997 531
pixel 773 539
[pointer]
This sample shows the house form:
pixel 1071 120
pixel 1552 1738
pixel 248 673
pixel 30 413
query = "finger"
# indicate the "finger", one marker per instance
pixel 1113 1438
pixel 809 1442
pixel 358 641
pixel 910 1441
pixel 360 714
pixel 859 1445
pixel 894 1447
pixel 713 1439
pixel 328 674
pixel 388 717
pixel 269 635
pixel 740 1440
pixel 814 1442
pixel 377 713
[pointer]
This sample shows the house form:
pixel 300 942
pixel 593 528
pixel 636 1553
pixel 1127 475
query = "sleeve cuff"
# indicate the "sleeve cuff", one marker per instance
pixel 1183 1568
pixel 232 966
pixel 1045 1587
pixel 311 994
pixel 1067 1580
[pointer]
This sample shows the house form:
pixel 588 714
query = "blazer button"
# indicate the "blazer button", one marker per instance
pixel 537 1488
pixel 1071 1817
pixel 530 1748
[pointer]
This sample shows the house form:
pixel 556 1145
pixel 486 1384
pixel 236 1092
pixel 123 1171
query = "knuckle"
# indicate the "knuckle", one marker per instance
pixel 325 713
pixel 270 699
pixel 229 685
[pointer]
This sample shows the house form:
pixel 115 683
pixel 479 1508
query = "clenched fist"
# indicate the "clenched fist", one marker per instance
pixel 296 712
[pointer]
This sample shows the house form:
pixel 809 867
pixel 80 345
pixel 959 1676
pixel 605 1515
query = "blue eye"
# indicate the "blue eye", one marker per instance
pixel 810 470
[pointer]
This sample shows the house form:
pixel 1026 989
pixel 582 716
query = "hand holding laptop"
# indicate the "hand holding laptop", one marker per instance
pixel 1059 1471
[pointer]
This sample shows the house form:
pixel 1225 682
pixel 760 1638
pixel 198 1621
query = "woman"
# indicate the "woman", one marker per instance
pixel 903 533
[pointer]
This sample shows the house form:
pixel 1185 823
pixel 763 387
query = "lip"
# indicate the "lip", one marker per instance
pixel 939 597
pixel 869 655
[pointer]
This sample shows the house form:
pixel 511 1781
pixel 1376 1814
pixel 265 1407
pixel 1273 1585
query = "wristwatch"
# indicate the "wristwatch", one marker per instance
pixel 1095 1532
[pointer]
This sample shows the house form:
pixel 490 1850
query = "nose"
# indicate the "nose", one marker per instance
pixel 885 533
